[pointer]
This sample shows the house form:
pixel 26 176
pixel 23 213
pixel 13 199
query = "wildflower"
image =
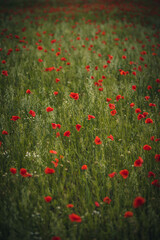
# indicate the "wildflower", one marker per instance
pixel 84 167
pixel 138 201
pixel 124 173
pixel 97 140
pixel 13 170
pixel 48 199
pixel 128 214
pixel 74 218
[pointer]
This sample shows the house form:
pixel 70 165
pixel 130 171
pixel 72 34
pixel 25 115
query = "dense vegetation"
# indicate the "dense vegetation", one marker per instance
pixel 79 129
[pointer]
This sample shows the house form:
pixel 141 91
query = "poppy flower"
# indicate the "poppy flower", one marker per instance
pixel 111 175
pixel 148 120
pixel 138 162
pixel 113 112
pixel 132 105
pixel 5 73
pixel 74 95
pixel 48 199
pixel 157 157
pixel 53 151
pixel 97 204
pixel 78 127
pixel 140 116
pixel 124 173
pixel 145 114
pixel 84 167
pixel 97 140
pixel 14 118
pixel 112 106
pixel 57 134
pixel 147 147
pixel 107 200
pixel 3 61
pixel 147 98
pixel 55 93
pixel 90 116
pixel 49 170
pixel 151 174
pixel 70 205
pixel 108 99
pixel 152 105
pixel 134 87
pixel 56 238
pixel 32 113
pixel 54 126
pixel 128 214
pixel 155 183
pixel 49 109
pixel 138 110
pixel 118 97
pixel 67 133
pixel 28 91
pixel 40 60
pixel 74 218
pixel 58 125
pixel 13 170
pixel 138 201
pixel 23 171
pixel 4 132
pixel 110 137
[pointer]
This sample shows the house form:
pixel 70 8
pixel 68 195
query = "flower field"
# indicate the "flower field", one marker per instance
pixel 80 120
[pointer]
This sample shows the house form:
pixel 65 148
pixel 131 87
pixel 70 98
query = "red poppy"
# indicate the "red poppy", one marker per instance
pixel 151 174
pixel 112 106
pixel 57 80
pixel 70 205
pixel 138 201
pixel 138 110
pixel 110 137
pixel 97 140
pixel 147 98
pixel 138 162
pixel 140 116
pixel 145 114
pixel 67 133
pixel 74 95
pixel 55 93
pixel 56 238
pixel 118 97
pixel 5 73
pixel 31 112
pixel 14 118
pixel 54 125
pixel 84 167
pixel 13 170
pixel 152 105
pixel 74 218
pixel 40 48
pixel 58 125
pixel 48 199
pixel 149 87
pixel 128 214
pixel 148 120
pixel 78 127
pixel 124 173
pixel 155 183
pixel 28 91
pixel 113 112
pixel 49 170
pixel 40 60
pixel 97 204
pixel 107 200
pixel 49 109
pixel 4 132
pixel 90 116
pixel 57 134
pixel 53 151
pixel 157 157
pixel 134 87
pixel 108 99
pixel 23 171
pixel 152 138
pixel 147 147
pixel 132 105
pixel 111 175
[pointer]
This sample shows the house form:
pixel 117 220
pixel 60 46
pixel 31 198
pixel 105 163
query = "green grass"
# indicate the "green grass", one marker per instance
pixel 24 214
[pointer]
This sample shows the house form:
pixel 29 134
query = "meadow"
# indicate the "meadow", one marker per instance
pixel 79 120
